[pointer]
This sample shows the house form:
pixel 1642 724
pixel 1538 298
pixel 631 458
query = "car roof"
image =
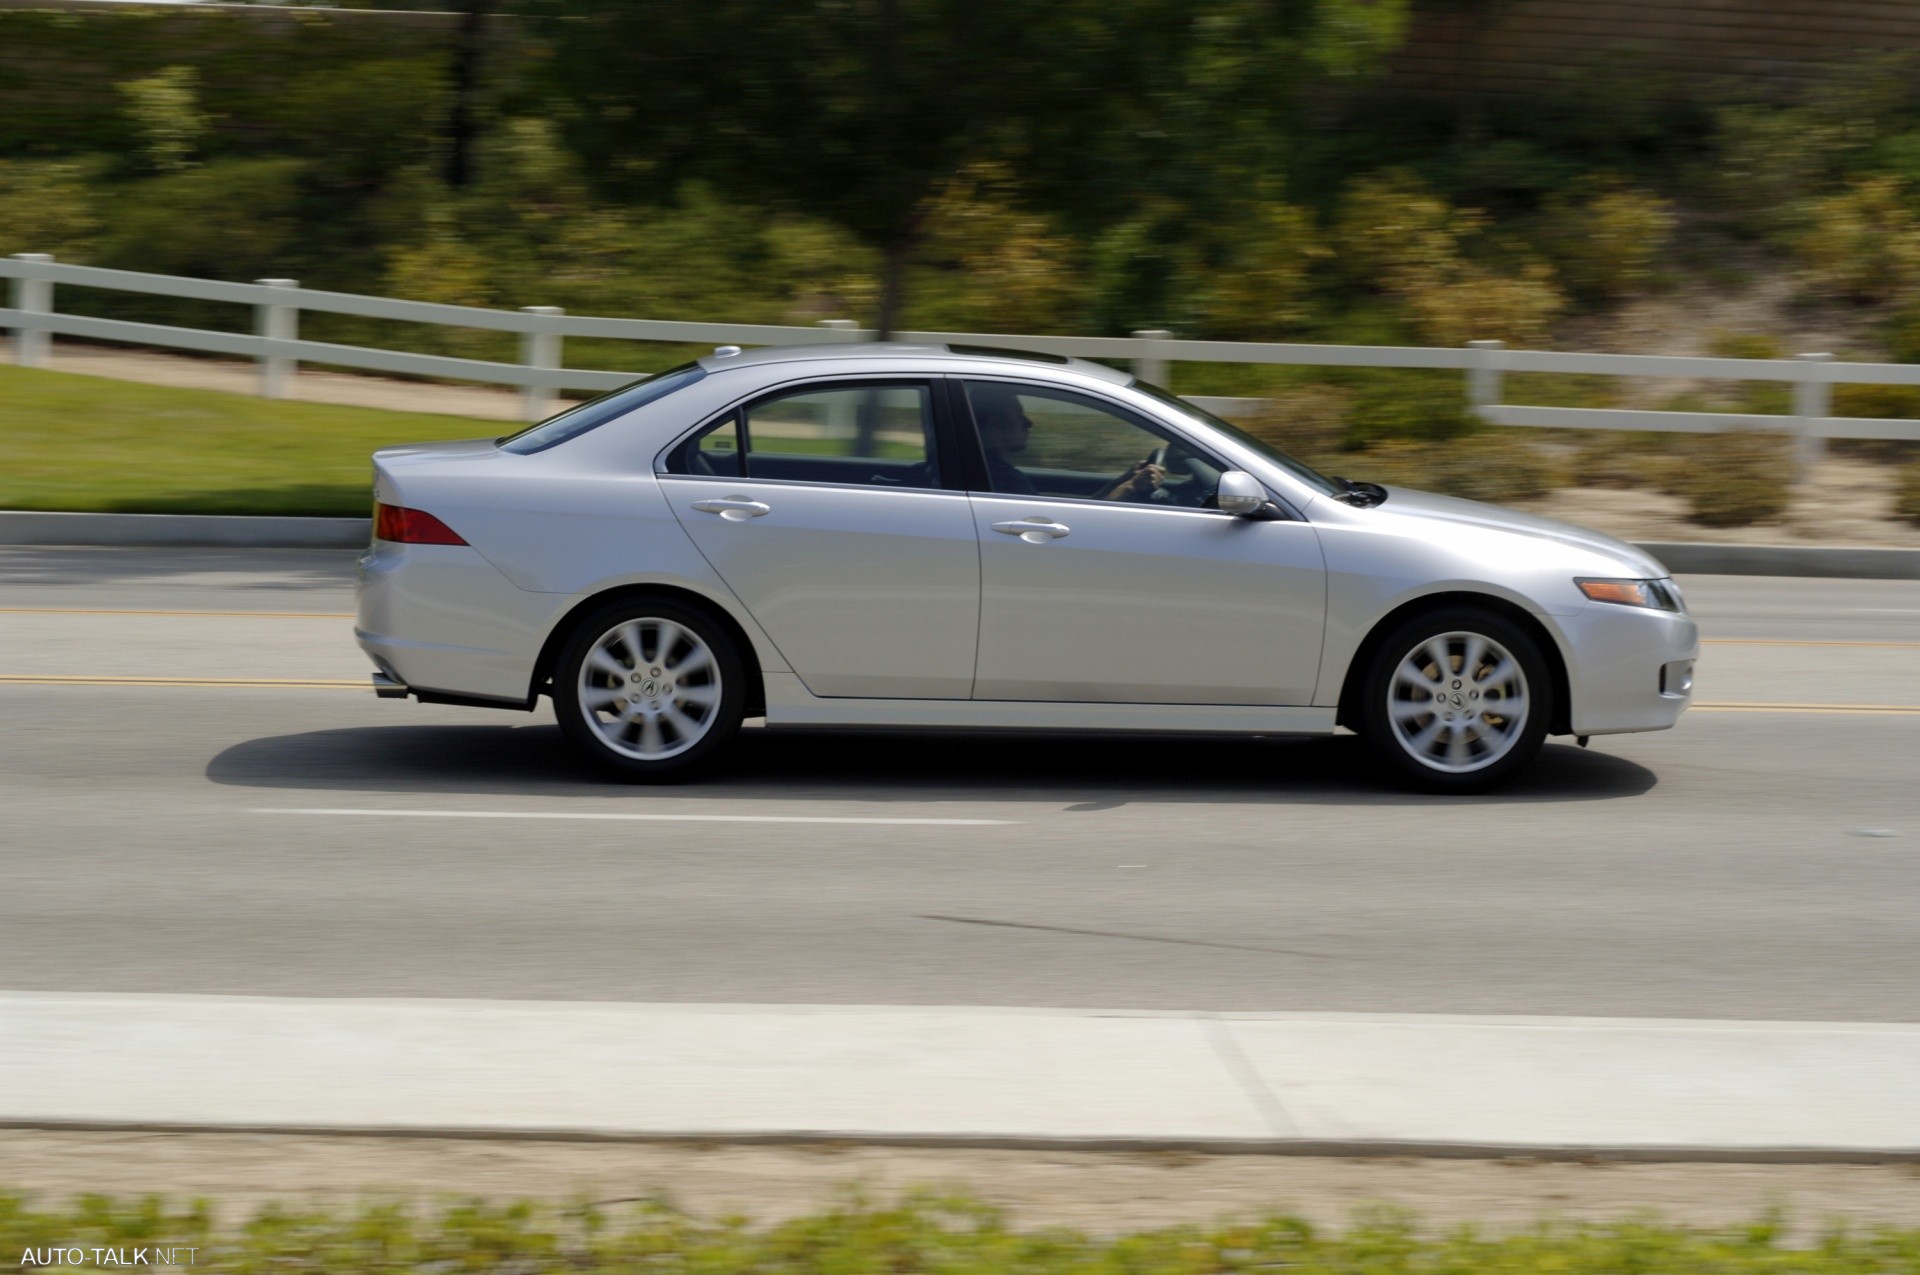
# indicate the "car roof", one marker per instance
pixel 981 356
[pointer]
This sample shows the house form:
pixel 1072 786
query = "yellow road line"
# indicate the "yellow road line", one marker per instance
pixel 271 683
pixel 1906 646
pixel 1809 708
pixel 271 615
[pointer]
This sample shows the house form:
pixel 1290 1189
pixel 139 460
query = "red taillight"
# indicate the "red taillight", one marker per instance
pixel 411 527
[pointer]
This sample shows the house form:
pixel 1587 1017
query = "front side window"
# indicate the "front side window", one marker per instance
pixel 1040 441
pixel 873 435
pixel 1298 468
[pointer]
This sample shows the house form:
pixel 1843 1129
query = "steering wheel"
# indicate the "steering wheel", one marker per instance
pixel 1167 492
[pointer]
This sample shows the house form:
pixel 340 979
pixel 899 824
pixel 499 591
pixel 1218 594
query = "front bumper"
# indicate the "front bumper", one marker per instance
pixel 1628 668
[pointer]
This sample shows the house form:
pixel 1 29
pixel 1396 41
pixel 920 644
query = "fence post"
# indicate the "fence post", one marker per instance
pixel 32 296
pixel 1151 364
pixel 276 321
pixel 1812 404
pixel 539 349
pixel 1484 376
pixel 851 327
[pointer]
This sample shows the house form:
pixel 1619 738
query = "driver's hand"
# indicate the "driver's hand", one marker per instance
pixel 1141 479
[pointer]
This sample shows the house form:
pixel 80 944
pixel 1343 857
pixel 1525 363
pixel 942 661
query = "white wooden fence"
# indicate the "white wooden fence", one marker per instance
pixel 541 373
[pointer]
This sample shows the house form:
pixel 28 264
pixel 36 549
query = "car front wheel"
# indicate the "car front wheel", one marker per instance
pixel 1457 700
pixel 649 689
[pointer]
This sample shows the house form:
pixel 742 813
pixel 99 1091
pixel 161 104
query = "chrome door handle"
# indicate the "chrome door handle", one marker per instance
pixel 733 508
pixel 1035 531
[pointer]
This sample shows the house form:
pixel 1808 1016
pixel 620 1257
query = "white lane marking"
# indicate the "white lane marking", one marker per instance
pixel 660 818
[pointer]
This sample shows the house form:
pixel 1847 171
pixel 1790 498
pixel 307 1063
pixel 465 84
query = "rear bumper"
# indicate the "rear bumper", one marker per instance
pixel 1628 668
pixel 440 622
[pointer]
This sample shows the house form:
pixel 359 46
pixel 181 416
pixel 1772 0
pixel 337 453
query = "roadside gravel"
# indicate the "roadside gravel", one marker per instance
pixel 1103 1193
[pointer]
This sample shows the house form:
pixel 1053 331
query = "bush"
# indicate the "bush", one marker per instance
pixel 1906 493
pixel 1410 405
pixel 228 219
pixel 1309 423
pixel 1864 243
pixel 1606 238
pixel 1616 458
pixel 1497 467
pixel 48 206
pixel 1736 478
pixel 1402 239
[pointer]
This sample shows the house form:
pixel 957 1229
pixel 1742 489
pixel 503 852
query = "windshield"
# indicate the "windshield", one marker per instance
pixel 595 412
pixel 1299 469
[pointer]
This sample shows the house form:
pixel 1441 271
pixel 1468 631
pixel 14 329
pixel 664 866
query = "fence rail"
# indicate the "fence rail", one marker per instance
pixel 540 374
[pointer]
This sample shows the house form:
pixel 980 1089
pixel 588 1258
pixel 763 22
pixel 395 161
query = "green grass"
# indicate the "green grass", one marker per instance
pixel 922 1236
pixel 89 444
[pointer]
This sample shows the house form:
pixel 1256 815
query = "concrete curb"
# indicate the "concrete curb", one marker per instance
pixel 1311 1148
pixel 23 527
pixel 1853 562
pixel 29 527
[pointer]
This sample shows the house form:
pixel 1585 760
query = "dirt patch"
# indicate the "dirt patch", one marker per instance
pixel 1843 502
pixel 1103 1193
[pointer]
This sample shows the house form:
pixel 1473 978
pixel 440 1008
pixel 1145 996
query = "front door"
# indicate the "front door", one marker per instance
pixel 821 507
pixel 1105 578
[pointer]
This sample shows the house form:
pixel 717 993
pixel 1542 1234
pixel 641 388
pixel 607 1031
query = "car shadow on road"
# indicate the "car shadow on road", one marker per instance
pixel 1088 772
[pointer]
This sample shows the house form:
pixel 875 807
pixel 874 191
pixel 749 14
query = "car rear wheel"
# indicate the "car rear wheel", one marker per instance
pixel 1457 700
pixel 649 689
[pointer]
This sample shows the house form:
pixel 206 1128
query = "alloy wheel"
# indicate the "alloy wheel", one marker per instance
pixel 650 688
pixel 1458 702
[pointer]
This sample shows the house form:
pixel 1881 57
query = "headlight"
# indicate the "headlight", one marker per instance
pixel 1656 595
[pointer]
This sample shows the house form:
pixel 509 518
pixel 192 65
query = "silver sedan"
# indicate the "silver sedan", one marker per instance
pixel 951 537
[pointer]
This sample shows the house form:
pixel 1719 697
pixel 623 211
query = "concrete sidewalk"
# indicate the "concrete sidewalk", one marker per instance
pixel 1301 1082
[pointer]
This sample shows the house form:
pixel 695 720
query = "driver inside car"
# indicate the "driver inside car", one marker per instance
pixel 1004 430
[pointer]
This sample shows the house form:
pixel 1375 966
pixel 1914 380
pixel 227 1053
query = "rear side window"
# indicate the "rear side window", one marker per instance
pixel 871 434
pixel 596 412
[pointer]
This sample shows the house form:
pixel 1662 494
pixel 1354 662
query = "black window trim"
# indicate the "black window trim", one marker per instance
pixel 946 452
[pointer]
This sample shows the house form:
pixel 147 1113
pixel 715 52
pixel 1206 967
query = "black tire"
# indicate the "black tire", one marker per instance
pixel 1467 748
pixel 640 736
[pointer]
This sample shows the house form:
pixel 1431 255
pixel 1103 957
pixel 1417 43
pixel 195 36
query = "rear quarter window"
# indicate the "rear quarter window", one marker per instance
pixel 596 412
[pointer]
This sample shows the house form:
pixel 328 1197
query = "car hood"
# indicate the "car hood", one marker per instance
pixel 1427 506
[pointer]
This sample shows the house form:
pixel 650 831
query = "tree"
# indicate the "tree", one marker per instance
pixel 858 111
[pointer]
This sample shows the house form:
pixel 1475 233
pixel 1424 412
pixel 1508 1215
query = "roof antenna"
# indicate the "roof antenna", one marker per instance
pixel 725 351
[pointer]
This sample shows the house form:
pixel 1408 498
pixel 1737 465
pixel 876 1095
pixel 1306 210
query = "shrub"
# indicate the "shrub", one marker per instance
pixel 1881 402
pixel 1473 303
pixel 1409 405
pixel 229 219
pixel 1736 478
pixel 164 109
pixel 1906 493
pixel 1493 466
pixel 1864 243
pixel 1309 422
pixel 1606 238
pixel 1005 268
pixel 1257 289
pixel 1617 458
pixel 48 206
pixel 1400 238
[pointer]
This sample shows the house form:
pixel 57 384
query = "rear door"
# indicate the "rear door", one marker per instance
pixel 823 507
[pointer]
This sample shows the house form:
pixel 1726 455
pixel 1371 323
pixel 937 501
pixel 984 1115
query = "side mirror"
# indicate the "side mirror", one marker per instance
pixel 1241 494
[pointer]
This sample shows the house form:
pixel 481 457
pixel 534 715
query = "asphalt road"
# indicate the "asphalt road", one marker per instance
pixel 1754 863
